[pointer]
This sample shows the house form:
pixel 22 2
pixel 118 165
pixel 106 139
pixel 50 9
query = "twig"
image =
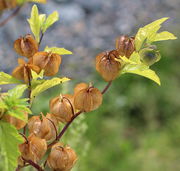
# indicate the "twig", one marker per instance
pixel 36 166
pixel 13 14
pixel 107 87
pixel 42 35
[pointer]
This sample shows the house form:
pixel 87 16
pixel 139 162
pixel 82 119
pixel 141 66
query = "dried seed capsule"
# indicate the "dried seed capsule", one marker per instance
pixel 61 158
pixel 33 148
pixel 149 55
pixel 87 99
pixel 107 65
pixel 19 124
pixel 26 46
pixel 50 62
pixel 4 4
pixel 23 71
pixel 62 107
pixel 125 46
pixel 44 127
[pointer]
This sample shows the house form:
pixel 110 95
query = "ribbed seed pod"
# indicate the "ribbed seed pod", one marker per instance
pixel 125 45
pixel 26 46
pixel 50 62
pixel 19 124
pixel 23 71
pixel 62 107
pixel 33 148
pixel 44 127
pixel 61 158
pixel 107 65
pixel 7 4
pixel 87 98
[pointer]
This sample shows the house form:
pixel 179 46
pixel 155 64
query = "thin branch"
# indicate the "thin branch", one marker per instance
pixel 13 14
pixel 107 87
pixel 42 35
pixel 36 166
pixel 64 129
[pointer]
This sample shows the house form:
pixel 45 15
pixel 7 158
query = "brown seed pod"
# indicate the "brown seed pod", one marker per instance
pixel 33 148
pixel 26 46
pixel 23 71
pixel 125 45
pixel 62 107
pixel 50 62
pixel 7 4
pixel 107 65
pixel 44 127
pixel 88 98
pixel 19 124
pixel 61 158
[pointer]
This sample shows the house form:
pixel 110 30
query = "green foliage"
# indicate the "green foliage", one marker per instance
pixel 8 79
pixel 20 2
pixel 38 22
pixel 47 84
pixel 148 34
pixel 12 103
pixel 135 66
pixel 60 51
pixel 10 139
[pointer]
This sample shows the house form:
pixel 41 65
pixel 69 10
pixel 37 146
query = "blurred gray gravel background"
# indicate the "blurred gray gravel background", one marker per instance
pixel 86 27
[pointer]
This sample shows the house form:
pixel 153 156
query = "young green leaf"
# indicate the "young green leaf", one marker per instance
pixel 148 33
pixel 35 23
pixel 60 51
pixel 35 76
pixel 165 35
pixel 47 84
pixel 51 19
pixel 8 79
pixel 18 91
pixel 38 1
pixel 10 139
pixel 20 2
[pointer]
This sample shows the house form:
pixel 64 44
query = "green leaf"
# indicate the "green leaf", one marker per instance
pixel 47 84
pixel 35 76
pixel 143 71
pixel 51 19
pixel 35 23
pixel 148 33
pixel 42 18
pixel 165 35
pixel 20 2
pixel 18 91
pixel 8 79
pixel 10 139
pixel 60 51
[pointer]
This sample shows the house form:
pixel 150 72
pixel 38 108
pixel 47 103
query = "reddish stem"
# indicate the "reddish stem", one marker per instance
pixel 107 87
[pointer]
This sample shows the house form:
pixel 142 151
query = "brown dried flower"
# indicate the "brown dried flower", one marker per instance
pixel 87 98
pixel 26 46
pixel 62 107
pixel 107 65
pixel 61 158
pixel 33 148
pixel 7 4
pixel 50 62
pixel 19 124
pixel 23 71
pixel 44 127
pixel 125 45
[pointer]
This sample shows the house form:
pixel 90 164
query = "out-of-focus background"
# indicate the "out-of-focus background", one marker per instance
pixel 138 126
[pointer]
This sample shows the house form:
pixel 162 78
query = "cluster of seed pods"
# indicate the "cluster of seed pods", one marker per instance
pixel 42 128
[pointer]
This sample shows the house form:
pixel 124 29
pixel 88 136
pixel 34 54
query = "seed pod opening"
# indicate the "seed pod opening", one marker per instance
pixel 125 45
pixel 44 127
pixel 61 158
pixel 107 65
pixel 19 124
pixel 26 46
pixel 87 99
pixel 23 71
pixel 33 149
pixel 50 62
pixel 62 107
